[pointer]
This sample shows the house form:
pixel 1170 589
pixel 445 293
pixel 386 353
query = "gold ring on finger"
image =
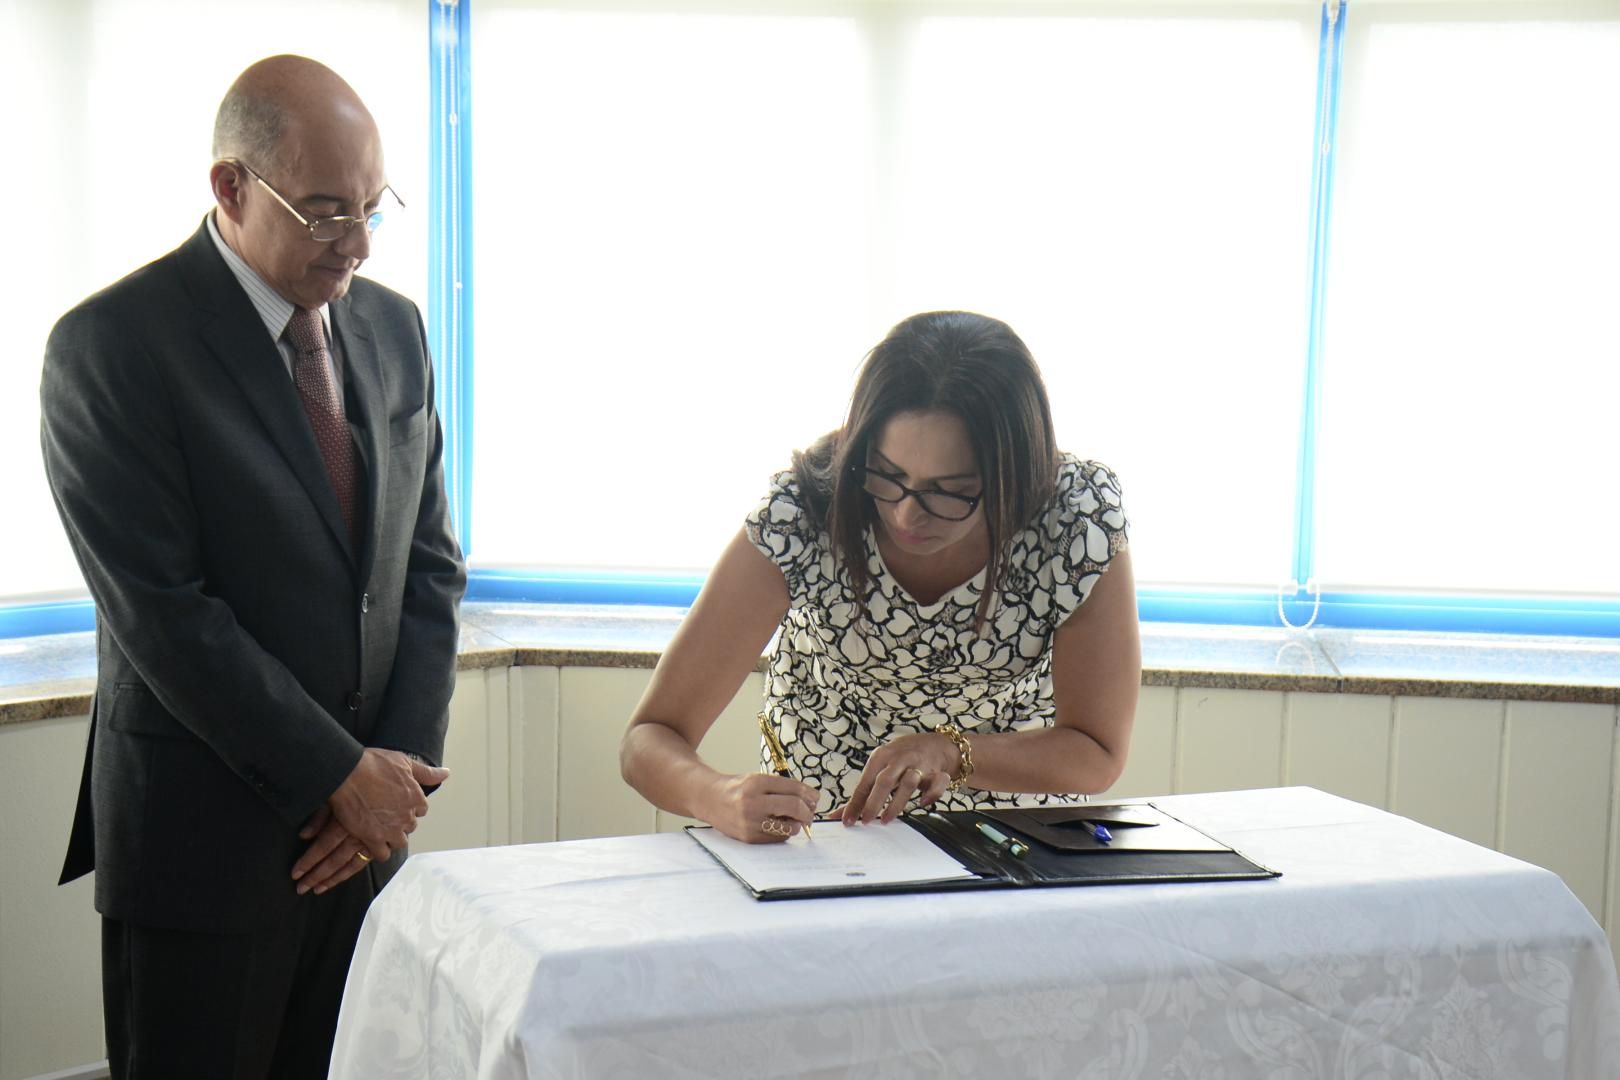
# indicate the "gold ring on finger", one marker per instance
pixel 921 776
pixel 362 856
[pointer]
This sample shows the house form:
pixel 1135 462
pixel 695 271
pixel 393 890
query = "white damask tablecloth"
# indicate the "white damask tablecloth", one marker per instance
pixel 1387 950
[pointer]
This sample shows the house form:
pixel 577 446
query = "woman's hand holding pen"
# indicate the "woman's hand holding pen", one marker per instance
pixel 760 808
pixel 917 765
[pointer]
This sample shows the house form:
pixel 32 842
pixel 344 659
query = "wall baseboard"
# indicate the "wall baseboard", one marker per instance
pixel 98 1071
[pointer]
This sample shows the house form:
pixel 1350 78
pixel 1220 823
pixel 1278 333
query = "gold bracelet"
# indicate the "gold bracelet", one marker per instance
pixel 965 751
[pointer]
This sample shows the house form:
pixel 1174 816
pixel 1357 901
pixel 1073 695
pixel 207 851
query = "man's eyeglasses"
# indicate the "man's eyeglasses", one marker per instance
pixel 940 504
pixel 326 229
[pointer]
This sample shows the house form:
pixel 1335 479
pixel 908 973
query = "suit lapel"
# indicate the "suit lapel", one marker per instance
pixel 368 418
pixel 233 330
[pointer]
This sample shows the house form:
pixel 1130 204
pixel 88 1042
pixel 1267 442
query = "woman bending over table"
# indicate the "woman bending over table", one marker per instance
pixel 957 612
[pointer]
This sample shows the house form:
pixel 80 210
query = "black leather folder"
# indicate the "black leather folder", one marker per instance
pixel 1051 846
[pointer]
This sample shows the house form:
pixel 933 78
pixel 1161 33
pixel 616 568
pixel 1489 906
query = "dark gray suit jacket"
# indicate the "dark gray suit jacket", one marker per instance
pixel 245 652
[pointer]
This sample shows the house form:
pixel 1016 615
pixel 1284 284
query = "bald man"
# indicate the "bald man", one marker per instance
pixel 242 443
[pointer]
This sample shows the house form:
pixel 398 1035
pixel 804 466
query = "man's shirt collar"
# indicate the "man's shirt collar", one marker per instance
pixel 274 310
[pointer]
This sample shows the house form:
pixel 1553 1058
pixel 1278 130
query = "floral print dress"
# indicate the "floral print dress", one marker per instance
pixel 839 686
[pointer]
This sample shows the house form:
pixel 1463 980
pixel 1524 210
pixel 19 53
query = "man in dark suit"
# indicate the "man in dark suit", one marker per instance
pixel 242 442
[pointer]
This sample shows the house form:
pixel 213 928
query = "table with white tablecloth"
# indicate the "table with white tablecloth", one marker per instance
pixel 1386 949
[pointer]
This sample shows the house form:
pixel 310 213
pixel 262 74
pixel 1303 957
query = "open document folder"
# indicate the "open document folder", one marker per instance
pixel 971 849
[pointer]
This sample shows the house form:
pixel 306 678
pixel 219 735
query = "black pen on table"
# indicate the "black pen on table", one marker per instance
pixel 779 762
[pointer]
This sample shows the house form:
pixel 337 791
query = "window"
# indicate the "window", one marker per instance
pixel 1471 366
pixel 705 220
pixel 692 220
pixel 671 229
pixel 1132 196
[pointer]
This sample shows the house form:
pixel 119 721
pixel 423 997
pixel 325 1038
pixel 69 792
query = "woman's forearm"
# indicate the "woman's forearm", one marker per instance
pixel 1056 760
pixel 666 769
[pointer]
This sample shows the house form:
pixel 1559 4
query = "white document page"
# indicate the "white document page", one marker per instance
pixel 837 856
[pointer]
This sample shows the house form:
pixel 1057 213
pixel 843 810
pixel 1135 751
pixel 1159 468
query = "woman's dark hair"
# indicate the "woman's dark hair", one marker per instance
pixel 972 367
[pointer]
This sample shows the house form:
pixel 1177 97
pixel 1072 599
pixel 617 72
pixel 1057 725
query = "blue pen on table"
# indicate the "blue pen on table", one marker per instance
pixel 1098 830
pixel 1000 839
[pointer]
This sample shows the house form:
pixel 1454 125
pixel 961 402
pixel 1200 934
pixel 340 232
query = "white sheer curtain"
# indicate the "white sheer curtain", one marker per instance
pixel 109 114
pixel 690 228
pixel 671 234
pixel 1132 195
pixel 1472 355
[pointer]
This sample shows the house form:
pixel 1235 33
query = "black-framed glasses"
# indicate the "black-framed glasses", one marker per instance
pixel 936 503
pixel 326 229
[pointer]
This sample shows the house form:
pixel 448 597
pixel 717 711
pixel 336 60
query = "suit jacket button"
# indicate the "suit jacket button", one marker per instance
pixel 356 699
pixel 365 603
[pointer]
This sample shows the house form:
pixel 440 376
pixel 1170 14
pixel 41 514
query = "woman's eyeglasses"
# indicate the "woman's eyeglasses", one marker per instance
pixel 940 504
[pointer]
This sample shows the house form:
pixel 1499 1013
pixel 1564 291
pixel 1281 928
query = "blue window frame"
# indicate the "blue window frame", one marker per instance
pixel 450 255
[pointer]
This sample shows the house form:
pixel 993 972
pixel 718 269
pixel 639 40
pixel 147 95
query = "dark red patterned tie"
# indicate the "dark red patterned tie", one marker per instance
pixel 312 374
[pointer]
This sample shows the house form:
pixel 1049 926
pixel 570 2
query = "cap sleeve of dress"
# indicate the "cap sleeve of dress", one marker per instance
pixel 1092 529
pixel 780 528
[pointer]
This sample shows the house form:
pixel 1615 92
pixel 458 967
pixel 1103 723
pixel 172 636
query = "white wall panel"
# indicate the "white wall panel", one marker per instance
pixel 1555 809
pixel 532 696
pixel 1150 765
pixel 534 756
pixel 1228 740
pixel 50 935
pixel 1611 899
pixel 1447 765
pixel 469 810
pixel 1339 743
pixel 594 704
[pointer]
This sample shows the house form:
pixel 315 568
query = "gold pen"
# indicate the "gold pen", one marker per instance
pixel 779 761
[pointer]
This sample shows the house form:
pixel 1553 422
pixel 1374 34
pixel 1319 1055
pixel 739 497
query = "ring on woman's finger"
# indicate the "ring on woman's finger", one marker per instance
pixel 362 856
pixel 775 826
pixel 920 775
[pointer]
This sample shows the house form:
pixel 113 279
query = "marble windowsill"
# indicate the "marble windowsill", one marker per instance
pixel 53 676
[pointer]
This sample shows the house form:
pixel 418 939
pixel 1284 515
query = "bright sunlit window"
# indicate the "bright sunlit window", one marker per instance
pixel 1472 360
pixel 692 227
pixel 1132 195
pixel 691 220
pixel 674 273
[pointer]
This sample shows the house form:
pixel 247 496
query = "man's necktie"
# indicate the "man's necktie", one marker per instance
pixel 312 375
